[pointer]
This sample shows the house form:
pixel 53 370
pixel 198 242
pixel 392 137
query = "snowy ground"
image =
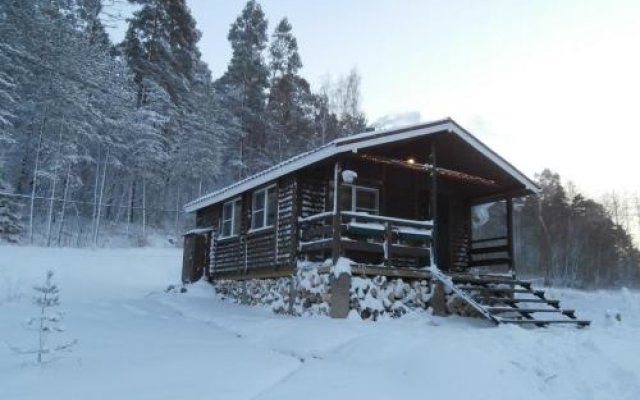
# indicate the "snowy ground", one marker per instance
pixel 137 342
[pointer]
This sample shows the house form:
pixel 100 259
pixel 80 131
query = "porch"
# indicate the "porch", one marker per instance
pixel 390 209
pixel 368 239
pixel 383 245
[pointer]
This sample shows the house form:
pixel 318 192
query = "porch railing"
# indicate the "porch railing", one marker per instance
pixel 363 233
pixel 490 253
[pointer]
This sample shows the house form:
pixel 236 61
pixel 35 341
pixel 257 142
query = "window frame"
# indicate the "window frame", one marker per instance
pixel 236 207
pixel 354 198
pixel 265 208
pixel 354 193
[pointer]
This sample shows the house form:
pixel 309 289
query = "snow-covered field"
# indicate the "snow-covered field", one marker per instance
pixel 138 342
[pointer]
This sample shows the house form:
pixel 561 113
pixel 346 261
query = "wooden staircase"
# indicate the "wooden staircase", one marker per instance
pixel 506 300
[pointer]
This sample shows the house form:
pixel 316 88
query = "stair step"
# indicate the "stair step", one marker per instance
pixel 489 262
pixel 486 280
pixel 501 290
pixel 507 300
pixel 545 322
pixel 489 249
pixel 496 310
pixel 488 303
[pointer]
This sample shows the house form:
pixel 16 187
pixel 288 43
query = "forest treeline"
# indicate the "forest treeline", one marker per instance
pixel 571 240
pixel 124 134
pixel 101 139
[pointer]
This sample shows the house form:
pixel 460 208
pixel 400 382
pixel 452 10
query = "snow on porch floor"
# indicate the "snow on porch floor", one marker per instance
pixel 137 342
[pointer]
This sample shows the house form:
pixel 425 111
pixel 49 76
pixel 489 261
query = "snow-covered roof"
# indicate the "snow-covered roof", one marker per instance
pixel 354 143
pixel 198 231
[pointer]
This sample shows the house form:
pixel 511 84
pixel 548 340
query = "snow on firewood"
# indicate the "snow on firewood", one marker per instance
pixel 309 296
pixel 373 297
pixel 343 266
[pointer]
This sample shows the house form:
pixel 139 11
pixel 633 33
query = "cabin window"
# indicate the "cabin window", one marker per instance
pixel 231 217
pixel 264 208
pixel 365 200
pixel 358 198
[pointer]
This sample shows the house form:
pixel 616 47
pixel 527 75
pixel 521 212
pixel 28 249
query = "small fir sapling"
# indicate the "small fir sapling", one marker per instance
pixel 47 322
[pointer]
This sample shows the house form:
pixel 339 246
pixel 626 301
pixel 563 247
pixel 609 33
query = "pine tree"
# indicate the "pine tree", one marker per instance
pixel 290 104
pixel 10 224
pixel 160 45
pixel 8 93
pixel 47 322
pixel 199 154
pixel 161 49
pixel 10 67
pixel 243 87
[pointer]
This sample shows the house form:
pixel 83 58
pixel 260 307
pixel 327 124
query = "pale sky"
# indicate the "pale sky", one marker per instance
pixel 545 83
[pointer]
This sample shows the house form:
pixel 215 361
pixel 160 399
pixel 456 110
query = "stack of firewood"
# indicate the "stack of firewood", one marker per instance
pixel 377 296
pixel 370 297
pixel 310 293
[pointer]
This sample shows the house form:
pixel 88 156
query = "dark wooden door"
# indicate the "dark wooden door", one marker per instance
pixel 195 257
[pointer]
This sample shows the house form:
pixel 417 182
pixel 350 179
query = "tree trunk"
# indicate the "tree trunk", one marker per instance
pixel 144 209
pixel 99 210
pixel 35 177
pixel 64 204
pixel 53 186
pixel 95 194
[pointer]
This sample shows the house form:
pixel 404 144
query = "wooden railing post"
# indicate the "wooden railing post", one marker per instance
pixel 510 233
pixel 340 284
pixel 388 240
pixel 335 222
pixel 433 201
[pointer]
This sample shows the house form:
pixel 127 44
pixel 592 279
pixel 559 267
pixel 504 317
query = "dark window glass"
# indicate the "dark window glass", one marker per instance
pixel 237 216
pixel 367 200
pixel 227 214
pixel 345 198
pixel 272 206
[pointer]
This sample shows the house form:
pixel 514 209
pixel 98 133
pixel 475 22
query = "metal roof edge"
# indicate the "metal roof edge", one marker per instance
pixel 353 143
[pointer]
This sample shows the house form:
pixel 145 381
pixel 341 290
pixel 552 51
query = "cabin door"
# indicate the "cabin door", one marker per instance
pixel 196 257
pixel 201 256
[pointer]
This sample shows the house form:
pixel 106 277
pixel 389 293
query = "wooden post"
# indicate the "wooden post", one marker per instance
pixel 510 243
pixel 433 201
pixel 470 233
pixel 335 247
pixel 295 225
pixel 341 284
pixel 295 239
pixel 388 236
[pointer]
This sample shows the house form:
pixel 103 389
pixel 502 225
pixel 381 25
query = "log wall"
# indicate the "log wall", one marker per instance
pixel 312 196
pixel 270 248
pixel 287 223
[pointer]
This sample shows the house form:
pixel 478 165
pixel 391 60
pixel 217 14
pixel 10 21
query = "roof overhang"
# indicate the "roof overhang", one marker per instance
pixel 353 144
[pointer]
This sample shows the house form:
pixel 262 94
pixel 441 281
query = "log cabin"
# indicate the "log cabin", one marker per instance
pixel 397 202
